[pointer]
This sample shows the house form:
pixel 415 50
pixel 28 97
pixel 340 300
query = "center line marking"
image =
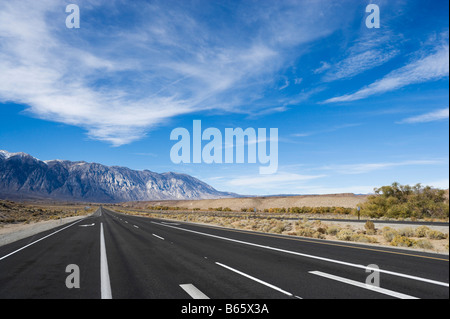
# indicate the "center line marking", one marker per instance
pixel 87 225
pixel 104 272
pixel 158 236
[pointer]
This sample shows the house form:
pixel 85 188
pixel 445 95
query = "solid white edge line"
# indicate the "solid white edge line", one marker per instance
pixel 158 236
pixel 256 279
pixel 38 240
pixel 435 282
pixel 193 291
pixel 104 272
pixel 363 285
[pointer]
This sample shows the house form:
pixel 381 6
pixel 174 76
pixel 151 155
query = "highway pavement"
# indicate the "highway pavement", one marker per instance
pixel 110 255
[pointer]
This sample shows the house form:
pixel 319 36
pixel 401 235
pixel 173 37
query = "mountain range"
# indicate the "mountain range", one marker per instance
pixel 24 177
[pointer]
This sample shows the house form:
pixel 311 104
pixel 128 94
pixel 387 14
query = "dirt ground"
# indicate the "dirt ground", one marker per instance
pixel 261 203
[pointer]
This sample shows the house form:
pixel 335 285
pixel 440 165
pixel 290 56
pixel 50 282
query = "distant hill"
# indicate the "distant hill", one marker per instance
pixel 24 177
pixel 261 202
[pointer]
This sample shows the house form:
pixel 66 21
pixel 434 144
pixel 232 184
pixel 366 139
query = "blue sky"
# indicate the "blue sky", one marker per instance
pixel 355 108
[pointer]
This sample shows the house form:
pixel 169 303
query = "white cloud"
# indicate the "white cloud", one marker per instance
pixel 280 179
pixel 363 168
pixel 437 115
pixel 286 183
pixel 285 85
pixel 358 63
pixel 120 81
pixel 323 67
pixel 324 190
pixel 328 130
pixel 364 53
pixel 430 68
pixel 441 184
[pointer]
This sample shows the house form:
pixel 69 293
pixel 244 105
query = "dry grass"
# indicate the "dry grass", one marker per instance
pixel 18 213
pixel 422 237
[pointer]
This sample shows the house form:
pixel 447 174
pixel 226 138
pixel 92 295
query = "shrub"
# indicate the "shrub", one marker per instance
pixel 389 233
pixel 305 232
pixel 424 244
pixel 332 230
pixel 421 231
pixel 317 210
pixel 435 234
pixel 404 201
pixel 303 223
pixel 318 235
pixel 362 238
pixel 407 232
pixel 278 228
pixel 370 227
pixel 344 234
pixel 402 241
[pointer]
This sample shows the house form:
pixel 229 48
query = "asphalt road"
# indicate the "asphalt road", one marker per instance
pixel 125 257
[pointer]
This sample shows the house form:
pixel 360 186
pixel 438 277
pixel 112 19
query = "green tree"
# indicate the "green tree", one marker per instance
pixel 404 201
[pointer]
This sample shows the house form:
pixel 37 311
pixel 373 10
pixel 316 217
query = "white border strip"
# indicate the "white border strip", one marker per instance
pixel 435 282
pixel 362 285
pixel 256 279
pixel 34 242
pixel 193 291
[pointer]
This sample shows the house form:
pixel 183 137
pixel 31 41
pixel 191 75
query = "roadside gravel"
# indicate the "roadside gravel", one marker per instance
pixel 12 232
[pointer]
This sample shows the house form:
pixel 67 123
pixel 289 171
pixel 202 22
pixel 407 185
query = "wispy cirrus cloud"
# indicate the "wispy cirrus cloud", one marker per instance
pixel 324 66
pixel 294 179
pixel 328 130
pixel 118 80
pixel 363 168
pixel 437 115
pixel 366 53
pixel 433 66
pixel 358 63
pixel 281 182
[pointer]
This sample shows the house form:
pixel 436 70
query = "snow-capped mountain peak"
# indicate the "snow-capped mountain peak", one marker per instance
pixel 24 176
